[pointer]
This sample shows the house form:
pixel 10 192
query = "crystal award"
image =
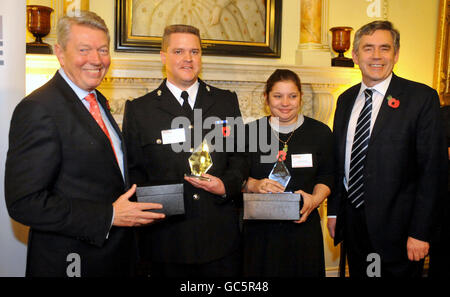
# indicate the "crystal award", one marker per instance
pixel 280 173
pixel 200 161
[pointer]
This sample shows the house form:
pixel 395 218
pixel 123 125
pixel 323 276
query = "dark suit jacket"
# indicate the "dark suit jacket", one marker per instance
pixel 402 167
pixel 61 180
pixel 209 229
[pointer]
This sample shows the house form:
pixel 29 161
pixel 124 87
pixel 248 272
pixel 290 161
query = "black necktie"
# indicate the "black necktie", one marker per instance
pixel 358 154
pixel 186 107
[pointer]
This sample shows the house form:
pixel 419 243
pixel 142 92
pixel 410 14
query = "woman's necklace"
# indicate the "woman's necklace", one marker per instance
pixel 285 143
pixel 283 153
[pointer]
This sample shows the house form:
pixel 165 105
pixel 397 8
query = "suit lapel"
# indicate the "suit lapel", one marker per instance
pixel 386 112
pixel 79 110
pixel 103 102
pixel 346 113
pixel 85 119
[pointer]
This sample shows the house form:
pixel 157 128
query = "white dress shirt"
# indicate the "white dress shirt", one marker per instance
pixel 379 91
pixel 176 91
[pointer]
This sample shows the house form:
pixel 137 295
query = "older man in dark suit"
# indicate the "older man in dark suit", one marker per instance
pixel 66 168
pixel 203 242
pixel 389 149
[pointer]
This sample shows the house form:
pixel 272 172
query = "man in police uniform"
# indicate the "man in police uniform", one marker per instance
pixel 203 242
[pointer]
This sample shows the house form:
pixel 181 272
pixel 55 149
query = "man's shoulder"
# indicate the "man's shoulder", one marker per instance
pixel 351 91
pixel 348 95
pixel 316 124
pixel 48 94
pixel 259 122
pixel 149 98
pixel 418 94
pixel 406 83
pixel 215 90
pixel 44 101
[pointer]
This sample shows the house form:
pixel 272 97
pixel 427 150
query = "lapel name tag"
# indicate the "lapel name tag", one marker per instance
pixel 301 160
pixel 173 136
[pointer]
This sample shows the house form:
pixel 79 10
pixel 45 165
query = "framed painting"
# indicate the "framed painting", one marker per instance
pixel 249 28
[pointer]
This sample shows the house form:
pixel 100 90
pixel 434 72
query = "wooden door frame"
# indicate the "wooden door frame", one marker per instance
pixel 441 79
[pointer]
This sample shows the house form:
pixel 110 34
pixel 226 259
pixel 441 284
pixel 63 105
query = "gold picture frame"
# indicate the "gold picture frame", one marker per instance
pixel 232 28
pixel 441 80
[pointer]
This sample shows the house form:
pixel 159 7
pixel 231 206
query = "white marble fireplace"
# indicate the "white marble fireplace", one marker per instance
pixel 128 79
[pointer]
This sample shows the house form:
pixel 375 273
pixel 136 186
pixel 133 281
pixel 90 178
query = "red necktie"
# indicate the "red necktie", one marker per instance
pixel 94 109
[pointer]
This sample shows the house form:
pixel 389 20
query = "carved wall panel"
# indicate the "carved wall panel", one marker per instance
pixel 317 100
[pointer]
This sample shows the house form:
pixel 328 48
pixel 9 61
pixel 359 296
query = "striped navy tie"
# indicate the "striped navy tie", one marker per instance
pixel 358 154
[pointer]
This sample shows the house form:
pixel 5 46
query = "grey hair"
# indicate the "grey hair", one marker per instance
pixel 84 18
pixel 370 28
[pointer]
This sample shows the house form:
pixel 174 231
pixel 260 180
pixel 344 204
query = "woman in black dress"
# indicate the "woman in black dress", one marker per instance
pixel 287 248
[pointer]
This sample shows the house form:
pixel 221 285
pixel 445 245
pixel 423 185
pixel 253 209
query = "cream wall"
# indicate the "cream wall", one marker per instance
pixel 415 19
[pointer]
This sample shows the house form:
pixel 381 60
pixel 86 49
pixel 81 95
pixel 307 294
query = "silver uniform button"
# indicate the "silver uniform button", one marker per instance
pixel 196 196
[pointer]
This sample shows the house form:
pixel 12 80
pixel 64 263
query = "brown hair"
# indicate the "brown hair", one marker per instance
pixel 178 28
pixel 282 75
pixel 370 28
pixel 277 76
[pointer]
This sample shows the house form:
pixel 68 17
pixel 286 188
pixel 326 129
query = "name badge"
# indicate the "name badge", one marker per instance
pixel 301 160
pixel 173 136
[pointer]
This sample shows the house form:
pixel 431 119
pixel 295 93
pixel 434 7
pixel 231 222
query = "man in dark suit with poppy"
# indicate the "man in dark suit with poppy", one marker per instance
pixel 204 242
pixel 66 168
pixel 389 149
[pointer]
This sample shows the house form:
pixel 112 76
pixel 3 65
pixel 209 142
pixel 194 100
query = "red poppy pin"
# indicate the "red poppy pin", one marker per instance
pixel 281 155
pixel 226 131
pixel 392 102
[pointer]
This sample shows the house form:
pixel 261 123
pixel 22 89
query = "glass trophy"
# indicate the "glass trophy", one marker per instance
pixel 280 173
pixel 200 161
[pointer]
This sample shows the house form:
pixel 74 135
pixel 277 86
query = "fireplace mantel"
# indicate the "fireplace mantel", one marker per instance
pixel 131 78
